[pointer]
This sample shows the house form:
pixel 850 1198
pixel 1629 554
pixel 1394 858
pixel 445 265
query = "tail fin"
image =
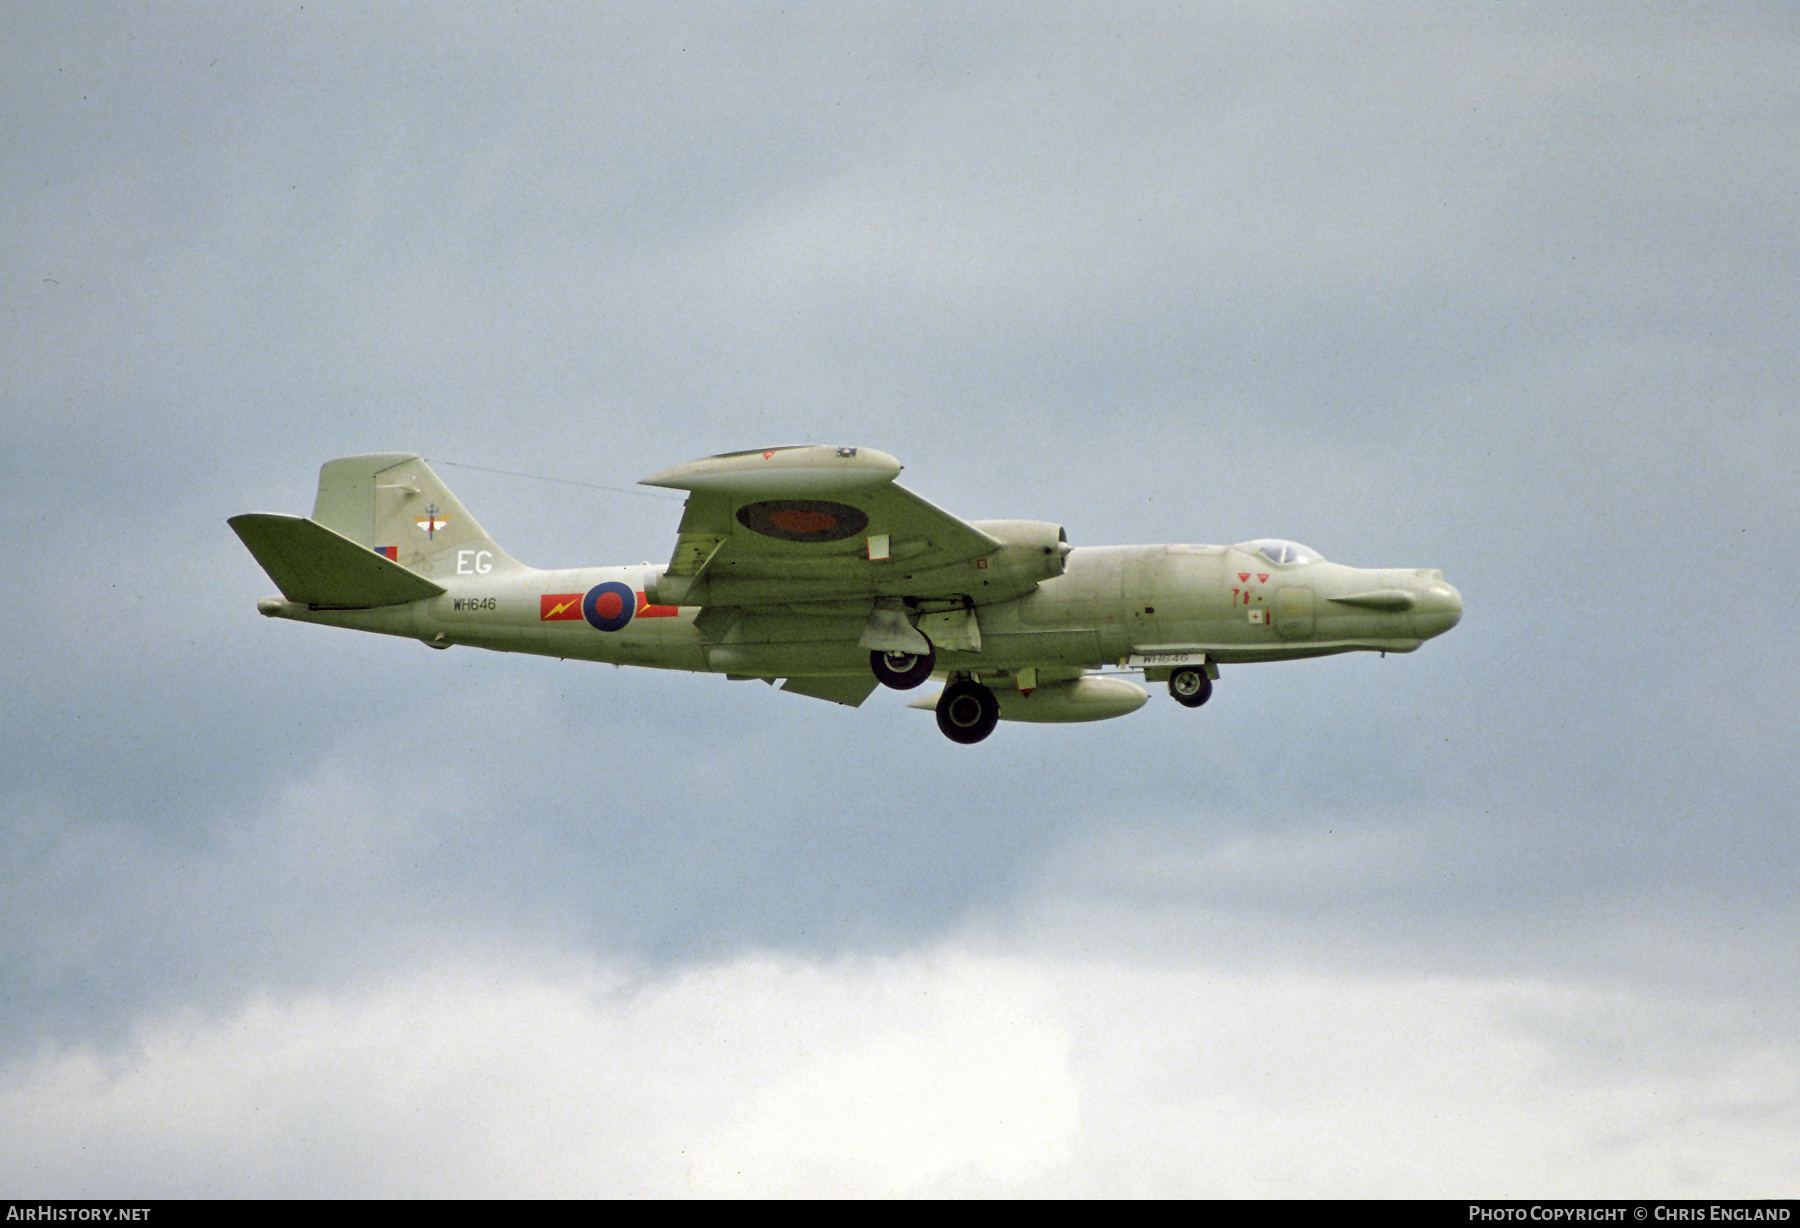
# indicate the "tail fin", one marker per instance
pixel 393 503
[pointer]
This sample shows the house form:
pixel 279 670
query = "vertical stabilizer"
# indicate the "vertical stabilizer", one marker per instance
pixel 393 503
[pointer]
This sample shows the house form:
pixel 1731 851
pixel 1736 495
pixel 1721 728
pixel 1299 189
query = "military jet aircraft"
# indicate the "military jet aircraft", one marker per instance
pixel 811 566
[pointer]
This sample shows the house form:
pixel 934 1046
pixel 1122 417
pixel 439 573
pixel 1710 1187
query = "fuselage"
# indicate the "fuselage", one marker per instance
pixel 1139 606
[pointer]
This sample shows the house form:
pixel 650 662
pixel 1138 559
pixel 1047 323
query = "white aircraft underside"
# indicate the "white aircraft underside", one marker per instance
pixel 812 566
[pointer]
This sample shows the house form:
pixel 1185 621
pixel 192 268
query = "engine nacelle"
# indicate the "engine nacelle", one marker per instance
pixel 1030 550
pixel 1092 698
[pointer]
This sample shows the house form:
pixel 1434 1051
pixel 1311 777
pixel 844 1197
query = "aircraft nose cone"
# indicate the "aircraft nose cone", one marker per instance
pixel 1438 609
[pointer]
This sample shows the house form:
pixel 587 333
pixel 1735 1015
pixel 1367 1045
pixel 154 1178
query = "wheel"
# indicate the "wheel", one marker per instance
pixel 967 711
pixel 903 670
pixel 1190 686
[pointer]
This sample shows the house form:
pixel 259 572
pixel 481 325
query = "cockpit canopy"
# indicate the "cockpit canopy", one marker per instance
pixel 1278 551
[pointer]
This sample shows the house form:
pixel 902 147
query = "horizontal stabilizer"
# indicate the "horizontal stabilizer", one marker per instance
pixel 315 566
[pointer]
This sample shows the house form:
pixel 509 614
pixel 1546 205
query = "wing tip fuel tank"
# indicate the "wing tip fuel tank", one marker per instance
pixel 802 469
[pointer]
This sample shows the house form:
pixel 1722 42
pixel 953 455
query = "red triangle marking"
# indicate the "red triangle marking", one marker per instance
pixel 1262 577
pixel 767 455
pixel 1243 577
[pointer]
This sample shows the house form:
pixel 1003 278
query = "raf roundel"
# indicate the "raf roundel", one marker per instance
pixel 609 606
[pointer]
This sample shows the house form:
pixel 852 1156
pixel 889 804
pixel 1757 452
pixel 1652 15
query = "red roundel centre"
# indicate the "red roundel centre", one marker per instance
pixel 609 605
pixel 799 520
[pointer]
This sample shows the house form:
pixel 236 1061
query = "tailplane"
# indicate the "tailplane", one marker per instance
pixel 316 567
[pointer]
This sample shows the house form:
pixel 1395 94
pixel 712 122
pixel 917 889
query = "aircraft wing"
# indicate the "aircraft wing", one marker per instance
pixel 817 524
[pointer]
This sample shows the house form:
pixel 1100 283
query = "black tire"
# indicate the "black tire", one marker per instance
pixel 903 670
pixel 1190 686
pixel 967 711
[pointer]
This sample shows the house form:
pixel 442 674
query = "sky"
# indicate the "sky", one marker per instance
pixel 1507 290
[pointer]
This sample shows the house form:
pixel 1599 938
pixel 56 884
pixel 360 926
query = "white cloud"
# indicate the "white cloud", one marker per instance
pixel 948 1071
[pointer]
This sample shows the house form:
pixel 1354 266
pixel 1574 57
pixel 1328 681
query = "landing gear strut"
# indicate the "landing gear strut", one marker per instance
pixel 1190 686
pixel 967 711
pixel 903 670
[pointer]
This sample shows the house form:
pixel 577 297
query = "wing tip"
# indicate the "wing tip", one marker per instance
pixel 794 469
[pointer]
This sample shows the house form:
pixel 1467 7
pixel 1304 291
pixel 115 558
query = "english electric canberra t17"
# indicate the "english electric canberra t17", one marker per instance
pixel 812 566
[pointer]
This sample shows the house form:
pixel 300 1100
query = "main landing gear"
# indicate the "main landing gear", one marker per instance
pixel 967 711
pixel 1190 686
pixel 903 670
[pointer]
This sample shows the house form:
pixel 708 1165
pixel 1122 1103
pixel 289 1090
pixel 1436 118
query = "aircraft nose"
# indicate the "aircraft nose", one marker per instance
pixel 1439 608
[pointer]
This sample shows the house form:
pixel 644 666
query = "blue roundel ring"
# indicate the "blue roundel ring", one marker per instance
pixel 600 613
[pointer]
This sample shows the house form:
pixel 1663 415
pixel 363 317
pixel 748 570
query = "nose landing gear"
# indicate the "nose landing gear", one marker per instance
pixel 1190 686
